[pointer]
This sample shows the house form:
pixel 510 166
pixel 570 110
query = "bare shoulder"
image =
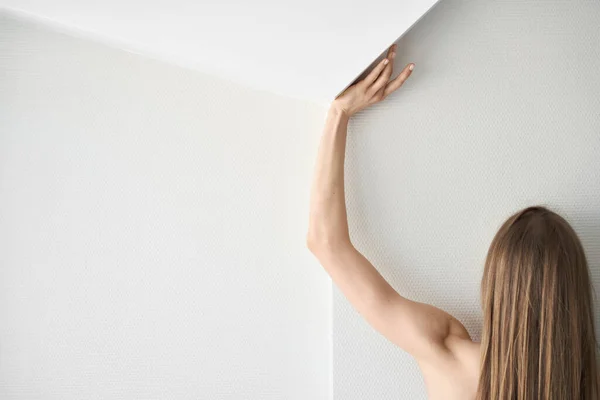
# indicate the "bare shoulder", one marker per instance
pixel 453 371
pixel 465 352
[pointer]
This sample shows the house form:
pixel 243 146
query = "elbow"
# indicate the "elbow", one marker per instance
pixel 318 244
pixel 312 242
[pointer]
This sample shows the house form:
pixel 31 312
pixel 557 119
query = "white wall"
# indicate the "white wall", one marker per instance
pixel 152 219
pixel 502 111
pixel 152 231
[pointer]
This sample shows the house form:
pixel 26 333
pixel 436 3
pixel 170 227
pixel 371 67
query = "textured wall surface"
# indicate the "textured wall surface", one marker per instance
pixel 152 231
pixel 502 111
pixel 152 219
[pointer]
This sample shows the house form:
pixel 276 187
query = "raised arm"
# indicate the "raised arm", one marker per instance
pixel 418 328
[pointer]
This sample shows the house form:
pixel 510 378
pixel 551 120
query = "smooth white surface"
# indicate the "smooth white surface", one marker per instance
pixel 501 112
pixel 308 49
pixel 152 231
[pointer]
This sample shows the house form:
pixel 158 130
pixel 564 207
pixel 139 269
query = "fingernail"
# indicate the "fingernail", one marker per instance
pixel 385 61
pixel 411 67
pixel 393 54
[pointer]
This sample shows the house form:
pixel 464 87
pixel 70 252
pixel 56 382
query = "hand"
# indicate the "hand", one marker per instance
pixel 374 88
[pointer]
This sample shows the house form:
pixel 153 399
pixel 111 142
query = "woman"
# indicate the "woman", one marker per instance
pixel 538 339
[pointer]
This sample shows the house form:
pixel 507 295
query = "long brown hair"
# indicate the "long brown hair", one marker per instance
pixel 538 340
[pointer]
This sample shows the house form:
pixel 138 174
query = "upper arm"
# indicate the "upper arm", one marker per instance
pixel 420 329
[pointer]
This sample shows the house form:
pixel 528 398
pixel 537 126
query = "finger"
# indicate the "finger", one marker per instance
pixel 391 54
pixel 377 97
pixel 399 80
pixel 382 80
pixel 376 72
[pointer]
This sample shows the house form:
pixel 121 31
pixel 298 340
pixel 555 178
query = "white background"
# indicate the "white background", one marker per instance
pixel 152 219
pixel 152 231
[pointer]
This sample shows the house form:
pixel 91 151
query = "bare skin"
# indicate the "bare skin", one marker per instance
pixel 442 347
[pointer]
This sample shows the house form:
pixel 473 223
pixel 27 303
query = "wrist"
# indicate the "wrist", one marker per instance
pixel 338 110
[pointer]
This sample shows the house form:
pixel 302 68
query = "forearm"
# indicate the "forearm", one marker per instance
pixel 418 328
pixel 328 224
pixel 328 236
